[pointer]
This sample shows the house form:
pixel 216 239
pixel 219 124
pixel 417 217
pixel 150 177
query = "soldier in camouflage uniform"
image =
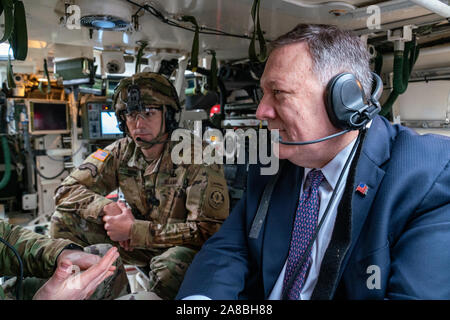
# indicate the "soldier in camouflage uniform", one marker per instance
pixel 171 209
pixel 40 256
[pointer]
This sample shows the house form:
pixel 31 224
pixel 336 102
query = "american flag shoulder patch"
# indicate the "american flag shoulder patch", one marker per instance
pixel 100 155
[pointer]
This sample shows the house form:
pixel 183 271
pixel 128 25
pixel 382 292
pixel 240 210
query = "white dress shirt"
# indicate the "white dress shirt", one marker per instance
pixel 331 172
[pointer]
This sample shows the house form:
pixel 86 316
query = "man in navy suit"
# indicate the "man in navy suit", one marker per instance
pixel 384 227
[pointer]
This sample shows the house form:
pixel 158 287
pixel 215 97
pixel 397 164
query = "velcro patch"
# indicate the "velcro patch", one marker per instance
pixel 100 155
pixel 128 171
pixel 91 167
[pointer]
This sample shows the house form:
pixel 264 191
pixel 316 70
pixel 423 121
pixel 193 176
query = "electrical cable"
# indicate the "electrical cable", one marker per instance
pixel 19 279
pixel 210 31
pixel 65 158
pixel 50 178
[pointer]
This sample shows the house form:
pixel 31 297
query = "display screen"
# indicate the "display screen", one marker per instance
pixel 49 116
pixel 112 84
pixel 109 123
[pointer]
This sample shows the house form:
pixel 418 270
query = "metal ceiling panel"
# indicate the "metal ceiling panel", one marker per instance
pixel 232 16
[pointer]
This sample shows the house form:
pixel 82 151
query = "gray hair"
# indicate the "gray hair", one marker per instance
pixel 333 51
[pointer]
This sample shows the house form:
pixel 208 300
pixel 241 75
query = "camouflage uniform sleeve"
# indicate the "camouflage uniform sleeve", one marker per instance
pixel 84 190
pixel 207 205
pixel 38 253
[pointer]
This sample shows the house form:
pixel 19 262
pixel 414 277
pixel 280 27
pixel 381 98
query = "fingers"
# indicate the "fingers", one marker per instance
pixel 63 272
pixel 122 205
pixel 77 257
pixel 93 285
pixel 113 236
pixel 110 221
pixel 125 209
pixel 111 209
pixel 101 268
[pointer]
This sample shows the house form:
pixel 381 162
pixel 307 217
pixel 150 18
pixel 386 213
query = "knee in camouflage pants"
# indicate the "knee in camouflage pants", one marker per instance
pixel 111 288
pixel 167 266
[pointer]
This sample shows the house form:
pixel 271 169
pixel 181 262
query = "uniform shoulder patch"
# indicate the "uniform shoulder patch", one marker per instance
pixel 91 167
pixel 216 199
pixel 100 154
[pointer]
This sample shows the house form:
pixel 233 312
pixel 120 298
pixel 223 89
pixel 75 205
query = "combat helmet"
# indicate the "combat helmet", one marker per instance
pixel 135 92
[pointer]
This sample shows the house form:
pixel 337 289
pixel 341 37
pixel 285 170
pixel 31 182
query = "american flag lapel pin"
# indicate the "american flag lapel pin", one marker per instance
pixel 362 188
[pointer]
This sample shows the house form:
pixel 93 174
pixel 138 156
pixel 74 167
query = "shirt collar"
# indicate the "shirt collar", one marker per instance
pixel 137 158
pixel 332 169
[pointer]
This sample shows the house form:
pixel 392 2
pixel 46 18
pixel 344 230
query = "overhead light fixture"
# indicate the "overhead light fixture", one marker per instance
pixel 108 23
pixel 111 15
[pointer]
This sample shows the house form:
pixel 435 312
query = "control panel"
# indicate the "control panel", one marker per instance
pixel 99 121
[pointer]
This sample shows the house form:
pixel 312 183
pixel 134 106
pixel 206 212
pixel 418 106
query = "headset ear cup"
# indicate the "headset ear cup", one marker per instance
pixel 345 101
pixel 170 121
pixel 122 123
pixel 329 93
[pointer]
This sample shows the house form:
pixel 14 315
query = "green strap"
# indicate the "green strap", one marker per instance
pixel 15 27
pixel 403 66
pixel 7 156
pixel 195 42
pixel 139 55
pixel 378 63
pixel 213 83
pixel 8 7
pixel 49 87
pixel 10 74
pixel 262 56
pixel 19 36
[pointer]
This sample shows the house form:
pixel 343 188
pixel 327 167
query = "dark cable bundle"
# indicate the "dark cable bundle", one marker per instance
pixel 19 279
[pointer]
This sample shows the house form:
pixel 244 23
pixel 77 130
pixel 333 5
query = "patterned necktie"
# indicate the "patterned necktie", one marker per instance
pixel 304 226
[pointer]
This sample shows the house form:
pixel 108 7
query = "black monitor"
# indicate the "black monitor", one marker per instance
pixel 48 116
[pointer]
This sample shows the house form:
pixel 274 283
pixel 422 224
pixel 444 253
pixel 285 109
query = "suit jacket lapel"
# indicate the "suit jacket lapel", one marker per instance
pixel 371 175
pixel 375 152
pixel 279 223
pixel 354 207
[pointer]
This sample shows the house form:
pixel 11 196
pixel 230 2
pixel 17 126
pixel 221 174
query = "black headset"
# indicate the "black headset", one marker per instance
pixel 346 106
pixel 171 121
pixel 345 102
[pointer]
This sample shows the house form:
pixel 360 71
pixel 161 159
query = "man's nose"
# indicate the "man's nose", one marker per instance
pixel 265 110
pixel 140 120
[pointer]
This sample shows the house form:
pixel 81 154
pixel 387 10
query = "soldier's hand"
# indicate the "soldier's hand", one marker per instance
pixel 80 258
pixel 111 209
pixel 65 286
pixel 118 227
